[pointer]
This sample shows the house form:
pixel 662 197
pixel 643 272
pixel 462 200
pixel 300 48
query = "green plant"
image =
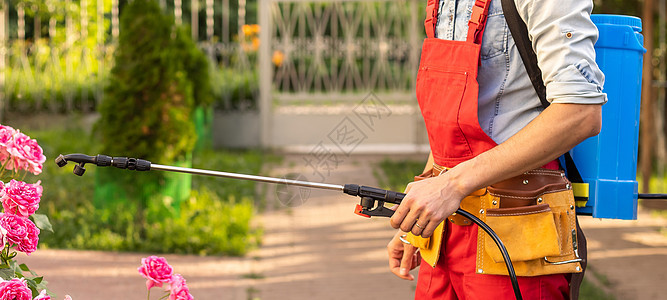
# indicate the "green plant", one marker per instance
pixel 395 175
pixel 63 69
pixel 235 89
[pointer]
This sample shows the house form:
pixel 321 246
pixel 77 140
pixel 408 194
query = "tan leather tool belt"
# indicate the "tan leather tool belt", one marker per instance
pixel 534 216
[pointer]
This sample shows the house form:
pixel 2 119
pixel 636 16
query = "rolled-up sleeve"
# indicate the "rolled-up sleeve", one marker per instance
pixel 563 37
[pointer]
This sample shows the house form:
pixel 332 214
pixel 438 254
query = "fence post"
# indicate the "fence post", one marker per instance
pixel 265 70
pixel 115 22
pixel 194 16
pixel 178 12
pixel 415 49
pixel 101 52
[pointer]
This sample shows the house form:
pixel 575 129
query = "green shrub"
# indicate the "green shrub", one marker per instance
pixel 149 101
pixel 206 225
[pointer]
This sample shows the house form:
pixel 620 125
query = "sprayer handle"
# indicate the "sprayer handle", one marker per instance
pixel 373 199
pixel 375 193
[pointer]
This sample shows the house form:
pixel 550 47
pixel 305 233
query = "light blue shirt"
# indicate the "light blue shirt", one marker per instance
pixel 562 35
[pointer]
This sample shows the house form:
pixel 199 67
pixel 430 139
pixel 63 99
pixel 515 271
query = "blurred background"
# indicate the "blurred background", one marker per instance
pixel 316 90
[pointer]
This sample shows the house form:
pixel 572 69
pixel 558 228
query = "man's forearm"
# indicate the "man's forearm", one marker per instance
pixel 555 131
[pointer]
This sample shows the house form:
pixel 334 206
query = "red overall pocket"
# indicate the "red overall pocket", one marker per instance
pixel 440 93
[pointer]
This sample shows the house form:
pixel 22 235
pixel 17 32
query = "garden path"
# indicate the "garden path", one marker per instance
pixel 321 250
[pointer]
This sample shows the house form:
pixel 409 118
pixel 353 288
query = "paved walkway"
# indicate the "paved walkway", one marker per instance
pixel 630 255
pixel 321 250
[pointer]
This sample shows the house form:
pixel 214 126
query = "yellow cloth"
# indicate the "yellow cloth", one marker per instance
pixel 430 247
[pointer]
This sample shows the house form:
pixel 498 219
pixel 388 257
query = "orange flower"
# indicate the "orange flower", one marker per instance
pixel 250 29
pixel 278 58
pixel 255 44
pixel 247 30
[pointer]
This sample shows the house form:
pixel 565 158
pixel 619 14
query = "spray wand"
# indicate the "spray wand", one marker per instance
pixel 371 205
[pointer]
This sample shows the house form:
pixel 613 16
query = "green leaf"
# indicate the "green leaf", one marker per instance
pixel 42 222
pixel 25 268
pixel 6 274
pixel 31 283
pixel 36 285
pixel 33 287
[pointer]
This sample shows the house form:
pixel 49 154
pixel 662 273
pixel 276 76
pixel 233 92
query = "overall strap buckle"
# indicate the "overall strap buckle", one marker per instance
pixel 431 17
pixel 480 11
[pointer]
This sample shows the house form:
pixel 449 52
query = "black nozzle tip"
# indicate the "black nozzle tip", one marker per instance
pixel 61 161
pixel 79 170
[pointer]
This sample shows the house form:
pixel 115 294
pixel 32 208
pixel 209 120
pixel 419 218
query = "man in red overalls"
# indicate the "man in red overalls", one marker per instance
pixel 462 109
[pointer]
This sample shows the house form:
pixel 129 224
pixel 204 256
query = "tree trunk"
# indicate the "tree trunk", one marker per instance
pixel 647 123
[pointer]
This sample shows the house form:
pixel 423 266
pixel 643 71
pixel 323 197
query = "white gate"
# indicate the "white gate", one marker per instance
pixel 343 66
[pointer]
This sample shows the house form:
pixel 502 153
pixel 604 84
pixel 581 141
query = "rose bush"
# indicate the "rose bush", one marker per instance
pixel 19 224
pixel 159 273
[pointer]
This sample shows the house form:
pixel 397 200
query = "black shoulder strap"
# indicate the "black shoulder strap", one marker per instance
pixel 520 34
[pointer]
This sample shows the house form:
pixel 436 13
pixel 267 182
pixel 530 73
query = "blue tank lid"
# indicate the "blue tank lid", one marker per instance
pixel 634 22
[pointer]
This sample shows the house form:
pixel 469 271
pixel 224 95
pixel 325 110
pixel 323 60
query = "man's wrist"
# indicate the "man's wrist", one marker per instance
pixel 460 180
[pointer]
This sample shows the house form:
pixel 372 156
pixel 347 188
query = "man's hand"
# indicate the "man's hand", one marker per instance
pixel 426 204
pixel 402 257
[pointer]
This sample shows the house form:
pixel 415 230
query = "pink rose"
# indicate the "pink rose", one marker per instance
pixel 14 228
pixel 21 198
pixel 26 154
pixel 156 270
pixel 43 296
pixel 15 289
pixel 179 290
pixel 67 297
pixel 29 243
pixel 6 135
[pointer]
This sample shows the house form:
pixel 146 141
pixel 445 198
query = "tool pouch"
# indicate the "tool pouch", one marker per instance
pixel 533 214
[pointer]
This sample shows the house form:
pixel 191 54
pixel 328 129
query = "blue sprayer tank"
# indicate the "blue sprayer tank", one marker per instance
pixel 608 161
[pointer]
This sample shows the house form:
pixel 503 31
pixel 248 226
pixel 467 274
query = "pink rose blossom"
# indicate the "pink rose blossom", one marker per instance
pixel 14 228
pixel 29 244
pixel 156 270
pixel 67 297
pixel 26 154
pixel 43 296
pixel 6 135
pixel 179 290
pixel 21 198
pixel 15 289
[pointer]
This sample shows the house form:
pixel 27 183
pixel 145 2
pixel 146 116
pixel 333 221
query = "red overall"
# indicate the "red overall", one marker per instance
pixel 447 92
